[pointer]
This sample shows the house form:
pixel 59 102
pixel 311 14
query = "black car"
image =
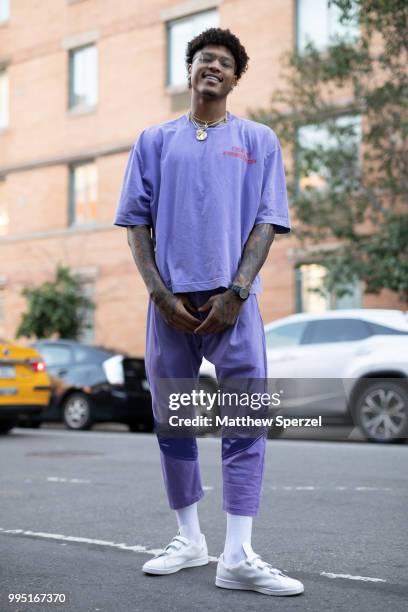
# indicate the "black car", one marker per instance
pixel 92 384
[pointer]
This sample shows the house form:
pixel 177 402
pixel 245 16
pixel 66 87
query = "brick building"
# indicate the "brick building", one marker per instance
pixel 79 79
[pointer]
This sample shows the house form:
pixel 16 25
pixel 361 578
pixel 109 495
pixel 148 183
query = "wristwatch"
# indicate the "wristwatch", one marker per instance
pixel 241 292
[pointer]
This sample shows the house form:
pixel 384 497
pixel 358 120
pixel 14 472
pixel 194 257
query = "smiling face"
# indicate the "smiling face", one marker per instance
pixel 212 71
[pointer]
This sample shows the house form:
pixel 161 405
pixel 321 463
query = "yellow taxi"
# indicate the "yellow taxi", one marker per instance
pixel 24 384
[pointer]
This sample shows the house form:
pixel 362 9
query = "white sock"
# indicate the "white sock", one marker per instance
pixel 239 530
pixel 189 525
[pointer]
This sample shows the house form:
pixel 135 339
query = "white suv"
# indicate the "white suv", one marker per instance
pixel 351 364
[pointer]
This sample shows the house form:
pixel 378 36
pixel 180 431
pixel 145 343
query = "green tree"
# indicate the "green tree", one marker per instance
pixel 56 307
pixel 348 194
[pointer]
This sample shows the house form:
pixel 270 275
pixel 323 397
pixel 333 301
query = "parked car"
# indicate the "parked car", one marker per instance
pixel 350 365
pixel 92 384
pixel 24 384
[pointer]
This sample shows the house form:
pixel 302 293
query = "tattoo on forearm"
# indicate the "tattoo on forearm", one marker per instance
pixel 141 245
pixel 255 253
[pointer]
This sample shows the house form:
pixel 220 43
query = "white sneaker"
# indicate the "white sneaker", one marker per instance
pixel 179 554
pixel 253 574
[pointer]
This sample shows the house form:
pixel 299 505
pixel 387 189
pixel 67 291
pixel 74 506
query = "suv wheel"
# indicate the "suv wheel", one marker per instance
pixel 77 411
pixel 381 411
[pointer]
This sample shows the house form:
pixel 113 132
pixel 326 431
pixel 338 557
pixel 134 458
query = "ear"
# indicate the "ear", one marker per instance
pixel 234 83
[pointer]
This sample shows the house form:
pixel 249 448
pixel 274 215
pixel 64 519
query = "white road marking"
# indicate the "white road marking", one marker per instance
pixel 372 488
pixel 74 480
pixel 70 433
pixel 350 577
pixel 318 488
pixel 271 488
pixel 137 548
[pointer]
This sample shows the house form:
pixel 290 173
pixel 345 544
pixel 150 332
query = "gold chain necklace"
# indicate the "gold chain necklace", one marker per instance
pixel 201 133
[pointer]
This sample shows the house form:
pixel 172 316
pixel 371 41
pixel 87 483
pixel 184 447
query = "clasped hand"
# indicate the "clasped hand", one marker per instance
pixel 223 309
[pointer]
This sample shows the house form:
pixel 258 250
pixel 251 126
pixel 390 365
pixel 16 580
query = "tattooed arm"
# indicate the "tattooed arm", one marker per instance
pixel 255 253
pixel 172 308
pixel 224 307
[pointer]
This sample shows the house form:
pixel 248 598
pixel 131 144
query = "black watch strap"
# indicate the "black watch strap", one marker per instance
pixel 241 292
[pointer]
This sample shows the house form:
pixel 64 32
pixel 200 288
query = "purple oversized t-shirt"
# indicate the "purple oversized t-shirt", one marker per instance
pixel 203 198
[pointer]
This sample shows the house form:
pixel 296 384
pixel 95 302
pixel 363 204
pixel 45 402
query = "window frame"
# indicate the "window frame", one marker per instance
pixel 4 74
pixel 87 335
pixel 2 310
pixel 299 306
pixel 332 300
pixel 72 107
pixel 356 117
pixel 4 207
pixel 168 24
pixel 72 217
pixel 5 20
pixel 296 30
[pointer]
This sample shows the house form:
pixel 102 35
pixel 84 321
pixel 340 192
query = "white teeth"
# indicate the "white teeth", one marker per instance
pixel 214 78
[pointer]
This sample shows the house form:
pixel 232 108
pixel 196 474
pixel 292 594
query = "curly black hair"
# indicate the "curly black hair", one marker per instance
pixel 217 36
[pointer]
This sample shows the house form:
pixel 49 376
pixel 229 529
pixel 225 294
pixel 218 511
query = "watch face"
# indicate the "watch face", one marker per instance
pixel 243 293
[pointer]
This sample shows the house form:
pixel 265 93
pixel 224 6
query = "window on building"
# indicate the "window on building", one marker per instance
pixel 2 311
pixel 309 277
pixel 83 77
pixel 319 140
pixel 87 334
pixel 83 193
pixel 4 219
pixel 179 33
pixel 4 10
pixel 4 99
pixel 318 22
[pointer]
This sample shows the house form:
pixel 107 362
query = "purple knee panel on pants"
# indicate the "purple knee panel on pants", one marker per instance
pixel 238 352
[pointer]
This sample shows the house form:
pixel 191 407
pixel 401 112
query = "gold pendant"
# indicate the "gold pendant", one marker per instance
pixel 201 134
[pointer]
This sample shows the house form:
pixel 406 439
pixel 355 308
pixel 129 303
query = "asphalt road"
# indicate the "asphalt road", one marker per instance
pixel 80 512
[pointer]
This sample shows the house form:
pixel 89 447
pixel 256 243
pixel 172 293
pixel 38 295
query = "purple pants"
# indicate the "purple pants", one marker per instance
pixel 237 352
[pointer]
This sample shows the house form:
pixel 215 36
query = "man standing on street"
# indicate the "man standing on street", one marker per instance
pixel 202 198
